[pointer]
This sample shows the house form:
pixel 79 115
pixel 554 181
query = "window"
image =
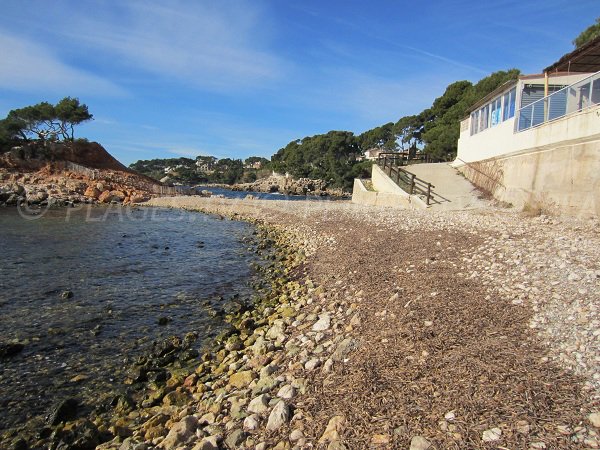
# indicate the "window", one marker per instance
pixel 474 122
pixel 496 111
pixel 509 104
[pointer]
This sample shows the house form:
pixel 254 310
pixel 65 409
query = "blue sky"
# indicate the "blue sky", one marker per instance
pixel 242 78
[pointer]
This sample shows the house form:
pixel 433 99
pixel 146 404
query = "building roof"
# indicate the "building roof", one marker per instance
pixel 583 59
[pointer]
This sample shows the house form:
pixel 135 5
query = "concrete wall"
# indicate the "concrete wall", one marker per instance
pixel 562 180
pixel 555 166
pixel 383 183
pixel 387 193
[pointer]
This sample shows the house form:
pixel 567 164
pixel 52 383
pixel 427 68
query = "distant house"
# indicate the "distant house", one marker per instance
pixel 536 140
pixel 373 153
pixel 204 166
pixel 255 165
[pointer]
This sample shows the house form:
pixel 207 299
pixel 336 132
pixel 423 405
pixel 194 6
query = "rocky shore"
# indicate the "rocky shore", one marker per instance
pixel 389 329
pixel 291 186
pixel 404 329
pixel 67 174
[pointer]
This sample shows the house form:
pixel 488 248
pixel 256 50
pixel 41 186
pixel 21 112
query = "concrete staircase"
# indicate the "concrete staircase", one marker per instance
pixel 452 191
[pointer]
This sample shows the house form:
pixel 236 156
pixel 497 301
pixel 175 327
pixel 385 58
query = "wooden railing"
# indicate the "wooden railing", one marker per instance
pixel 391 164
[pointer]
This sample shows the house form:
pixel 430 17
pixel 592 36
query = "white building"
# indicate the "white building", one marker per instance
pixel 535 141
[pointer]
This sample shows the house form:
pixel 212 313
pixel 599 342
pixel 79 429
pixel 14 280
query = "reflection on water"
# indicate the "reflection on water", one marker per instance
pixel 126 269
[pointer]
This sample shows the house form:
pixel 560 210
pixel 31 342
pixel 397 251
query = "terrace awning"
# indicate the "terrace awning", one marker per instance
pixel 585 59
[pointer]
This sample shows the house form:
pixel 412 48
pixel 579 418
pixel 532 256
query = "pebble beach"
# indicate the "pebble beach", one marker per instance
pixel 399 329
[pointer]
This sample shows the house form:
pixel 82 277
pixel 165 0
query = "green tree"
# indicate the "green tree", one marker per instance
pixel 45 121
pixel 591 32
pixel 329 157
pixel 256 159
pixel 409 131
pixel 227 171
pixel 382 137
pixel 69 112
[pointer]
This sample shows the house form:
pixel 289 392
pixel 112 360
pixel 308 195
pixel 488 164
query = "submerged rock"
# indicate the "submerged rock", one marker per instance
pixel 10 349
pixel 63 411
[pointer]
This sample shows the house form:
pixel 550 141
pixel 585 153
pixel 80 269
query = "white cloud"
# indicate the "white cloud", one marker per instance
pixel 187 152
pixel 217 46
pixel 28 66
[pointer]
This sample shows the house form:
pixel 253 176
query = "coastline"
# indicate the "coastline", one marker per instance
pixel 391 329
pixel 448 355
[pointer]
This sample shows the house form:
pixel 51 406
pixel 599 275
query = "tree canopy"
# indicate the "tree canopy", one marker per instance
pixel 329 157
pixel 591 32
pixel 44 121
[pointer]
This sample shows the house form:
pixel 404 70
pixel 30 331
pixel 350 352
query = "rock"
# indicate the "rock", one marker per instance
pixel 207 419
pixel 344 348
pixel 594 419
pixel 78 378
pixel 66 294
pixel 180 433
pixel 37 197
pixel 138 198
pixel 286 392
pixel 20 444
pixel 175 398
pixel 264 385
pixel 312 364
pixel 10 349
pixel 92 192
pixel 450 416
pixel 251 423
pixel 105 197
pixel 419 443
pixel 259 405
pixel 261 446
pixel 381 439
pixel 296 435
pixel 259 347
pixel 333 429
pixel 242 379
pixel 63 411
pixel 491 435
pixel 323 323
pixel 208 443
pixel 235 438
pixel 277 331
pixel 117 196
pixel 280 415
pixel 82 434
pixel 336 445
pixel 522 426
pixel 163 321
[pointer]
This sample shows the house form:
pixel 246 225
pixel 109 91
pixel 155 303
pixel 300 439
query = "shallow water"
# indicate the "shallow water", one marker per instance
pixel 228 193
pixel 126 268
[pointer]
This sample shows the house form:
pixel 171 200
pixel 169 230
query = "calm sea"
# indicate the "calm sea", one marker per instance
pixel 127 269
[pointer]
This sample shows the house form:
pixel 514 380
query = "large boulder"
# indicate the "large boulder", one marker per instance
pixel 105 197
pixel 92 192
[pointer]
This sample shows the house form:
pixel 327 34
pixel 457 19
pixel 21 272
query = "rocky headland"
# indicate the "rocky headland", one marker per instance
pixel 291 186
pixel 69 173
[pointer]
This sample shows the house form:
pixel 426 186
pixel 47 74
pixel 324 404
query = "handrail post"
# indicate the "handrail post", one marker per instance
pixel 412 183
pixel 428 192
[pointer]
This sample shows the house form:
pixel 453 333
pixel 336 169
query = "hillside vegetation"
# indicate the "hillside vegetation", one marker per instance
pixel 335 157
